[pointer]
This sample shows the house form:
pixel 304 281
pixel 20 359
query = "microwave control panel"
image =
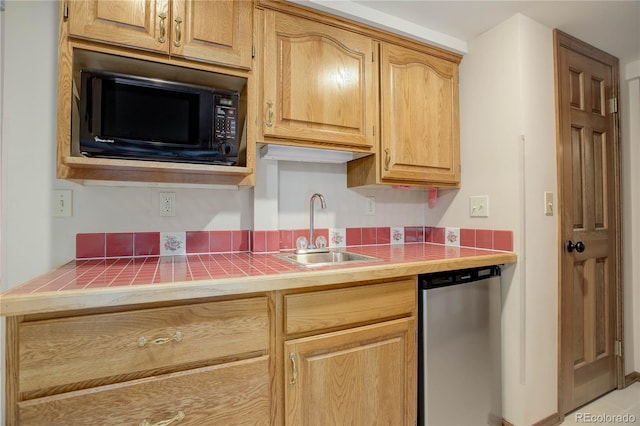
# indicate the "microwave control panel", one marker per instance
pixel 225 119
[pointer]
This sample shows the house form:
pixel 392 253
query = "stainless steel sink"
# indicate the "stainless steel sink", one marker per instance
pixel 326 258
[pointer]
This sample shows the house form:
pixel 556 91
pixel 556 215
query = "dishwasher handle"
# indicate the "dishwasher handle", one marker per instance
pixel 461 276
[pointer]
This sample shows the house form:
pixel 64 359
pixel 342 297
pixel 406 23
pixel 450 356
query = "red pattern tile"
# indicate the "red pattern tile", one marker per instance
pixel 369 236
pixel 119 244
pixel 437 235
pixel 383 235
pixel 90 245
pixel 413 234
pixel 354 236
pixel 428 234
pixel 197 241
pixel 272 241
pixel 467 237
pixel 146 243
pixel 286 239
pixel 220 241
pixel 102 273
pixel 258 241
pixel 240 241
pixel 484 238
pixel 503 240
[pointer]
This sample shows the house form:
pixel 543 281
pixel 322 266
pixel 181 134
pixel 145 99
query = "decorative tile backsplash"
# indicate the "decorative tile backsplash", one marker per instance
pixel 135 244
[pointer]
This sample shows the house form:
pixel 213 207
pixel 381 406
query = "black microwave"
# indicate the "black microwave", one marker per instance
pixel 131 117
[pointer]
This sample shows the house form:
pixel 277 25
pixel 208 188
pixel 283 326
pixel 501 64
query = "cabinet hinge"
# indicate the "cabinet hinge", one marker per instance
pixel 373 59
pixel 65 13
pixel 618 348
pixel 374 130
pixel 613 105
pixel 253 51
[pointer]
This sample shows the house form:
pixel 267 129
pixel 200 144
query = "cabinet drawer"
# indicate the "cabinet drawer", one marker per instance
pixel 58 352
pixel 326 309
pixel 233 393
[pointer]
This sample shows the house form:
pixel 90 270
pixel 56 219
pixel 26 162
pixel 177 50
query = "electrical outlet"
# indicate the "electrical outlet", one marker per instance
pixel 62 202
pixel 370 206
pixel 167 201
pixel 479 206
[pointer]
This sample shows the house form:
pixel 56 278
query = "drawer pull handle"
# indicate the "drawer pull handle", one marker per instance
pixel 294 368
pixel 167 422
pixel 142 341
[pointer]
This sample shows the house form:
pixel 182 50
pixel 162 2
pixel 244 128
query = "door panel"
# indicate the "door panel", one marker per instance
pixel 419 116
pixel 218 31
pixel 132 23
pixel 320 83
pixel 589 188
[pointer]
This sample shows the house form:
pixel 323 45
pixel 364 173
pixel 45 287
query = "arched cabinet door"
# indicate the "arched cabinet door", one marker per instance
pixel 320 83
pixel 419 117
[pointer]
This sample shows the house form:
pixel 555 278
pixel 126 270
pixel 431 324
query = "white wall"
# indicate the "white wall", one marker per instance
pixel 630 144
pixel 506 93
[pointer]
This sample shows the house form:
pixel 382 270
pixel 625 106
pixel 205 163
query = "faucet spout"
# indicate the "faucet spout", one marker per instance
pixel 323 204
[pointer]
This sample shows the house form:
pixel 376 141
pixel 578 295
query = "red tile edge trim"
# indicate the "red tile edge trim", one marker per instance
pixel 137 244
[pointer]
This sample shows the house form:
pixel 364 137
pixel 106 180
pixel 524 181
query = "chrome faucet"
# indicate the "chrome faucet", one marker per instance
pixel 323 204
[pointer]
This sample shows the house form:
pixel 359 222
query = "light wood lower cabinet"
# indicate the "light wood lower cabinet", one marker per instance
pixel 201 363
pixel 349 355
pixel 359 376
pixel 232 393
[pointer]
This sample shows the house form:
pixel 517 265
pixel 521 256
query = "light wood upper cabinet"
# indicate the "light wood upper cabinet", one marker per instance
pixel 419 121
pixel 217 31
pixel 320 83
pixel 419 116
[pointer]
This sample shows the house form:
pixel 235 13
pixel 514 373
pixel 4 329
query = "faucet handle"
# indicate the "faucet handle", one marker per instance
pixel 321 241
pixel 301 243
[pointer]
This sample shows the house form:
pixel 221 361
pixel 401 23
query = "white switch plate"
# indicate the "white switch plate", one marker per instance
pixel 479 206
pixel 370 206
pixel 62 202
pixel 548 203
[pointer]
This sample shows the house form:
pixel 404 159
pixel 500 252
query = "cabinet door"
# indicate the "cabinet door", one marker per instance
pixel 234 393
pixel 365 375
pixel 219 31
pixel 319 83
pixel 137 23
pixel 419 110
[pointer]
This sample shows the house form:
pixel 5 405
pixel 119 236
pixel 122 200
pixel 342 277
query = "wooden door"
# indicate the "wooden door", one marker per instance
pixel 361 376
pixel 590 319
pixel 320 83
pixel 137 23
pixel 419 117
pixel 219 31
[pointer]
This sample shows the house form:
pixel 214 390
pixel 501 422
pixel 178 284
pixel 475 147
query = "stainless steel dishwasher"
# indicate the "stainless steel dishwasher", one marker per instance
pixel 459 368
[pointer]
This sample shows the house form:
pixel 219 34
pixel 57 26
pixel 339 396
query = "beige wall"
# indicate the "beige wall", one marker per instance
pixel 508 153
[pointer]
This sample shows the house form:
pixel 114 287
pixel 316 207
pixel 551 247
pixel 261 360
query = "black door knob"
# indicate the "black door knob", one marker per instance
pixel 579 246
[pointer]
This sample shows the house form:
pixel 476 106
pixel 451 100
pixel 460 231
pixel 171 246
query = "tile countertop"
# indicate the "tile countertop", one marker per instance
pixel 82 284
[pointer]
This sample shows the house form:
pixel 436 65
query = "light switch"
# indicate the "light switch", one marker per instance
pixel 548 203
pixel 479 206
